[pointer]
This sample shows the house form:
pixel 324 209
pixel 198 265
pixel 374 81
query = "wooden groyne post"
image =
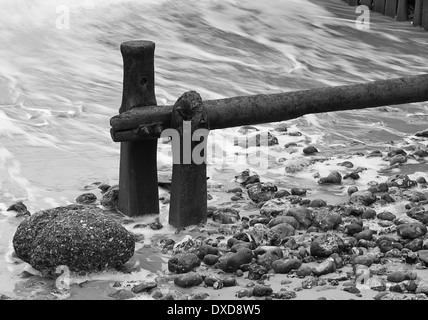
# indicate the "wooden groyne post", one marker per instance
pixel 141 123
pixel 138 180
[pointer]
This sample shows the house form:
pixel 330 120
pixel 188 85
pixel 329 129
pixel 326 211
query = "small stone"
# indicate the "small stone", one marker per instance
pixel 233 261
pixel 423 133
pixel 183 263
pixel 285 295
pixel 20 208
pixel 104 187
pixel 244 293
pixel 353 228
pixel 386 215
pixel 352 289
pixel 325 267
pixel 333 178
pixel 347 164
pixel 369 214
pixel 247 177
pixel 260 290
pixel 364 235
pixel 86 198
pixel 145 286
pixel 303 215
pixel 282 193
pixel 396 277
pixel 298 191
pixel 326 220
pixel 275 207
pixel 317 203
pixel 397 159
pixel 365 260
pixel 226 216
pixel 352 175
pixel 304 271
pixel 206 249
pixel 256 272
pixel 310 150
pixel 284 219
pixel 421 180
pixel 364 197
pixel 326 244
pixel 283 230
pixel 123 294
pixel 352 190
pixel 229 282
pixel 110 198
pixel 261 192
pixel 210 259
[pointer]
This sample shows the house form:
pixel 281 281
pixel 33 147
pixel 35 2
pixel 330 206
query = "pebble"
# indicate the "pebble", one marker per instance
pixel 310 150
pixel 333 178
pixel 285 266
pixel 188 280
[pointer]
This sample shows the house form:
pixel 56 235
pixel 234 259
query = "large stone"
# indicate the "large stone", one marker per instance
pixel 364 197
pixel 303 215
pixel 78 236
pixel 183 263
pixel 411 230
pixel 188 280
pixel 326 220
pixel 233 261
pixel 326 244
pixel 285 266
pixel 110 198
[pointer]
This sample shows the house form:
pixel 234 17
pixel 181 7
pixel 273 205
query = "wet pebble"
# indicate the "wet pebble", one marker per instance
pixel 333 178
pixel 310 150
pixel 20 208
pixel 188 280
pixel 285 266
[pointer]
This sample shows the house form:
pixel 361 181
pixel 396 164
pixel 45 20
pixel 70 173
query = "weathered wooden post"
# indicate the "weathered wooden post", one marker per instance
pixel 391 8
pixel 379 6
pixel 402 10
pixel 417 16
pixel 424 22
pixel 189 172
pixel 367 3
pixel 138 188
